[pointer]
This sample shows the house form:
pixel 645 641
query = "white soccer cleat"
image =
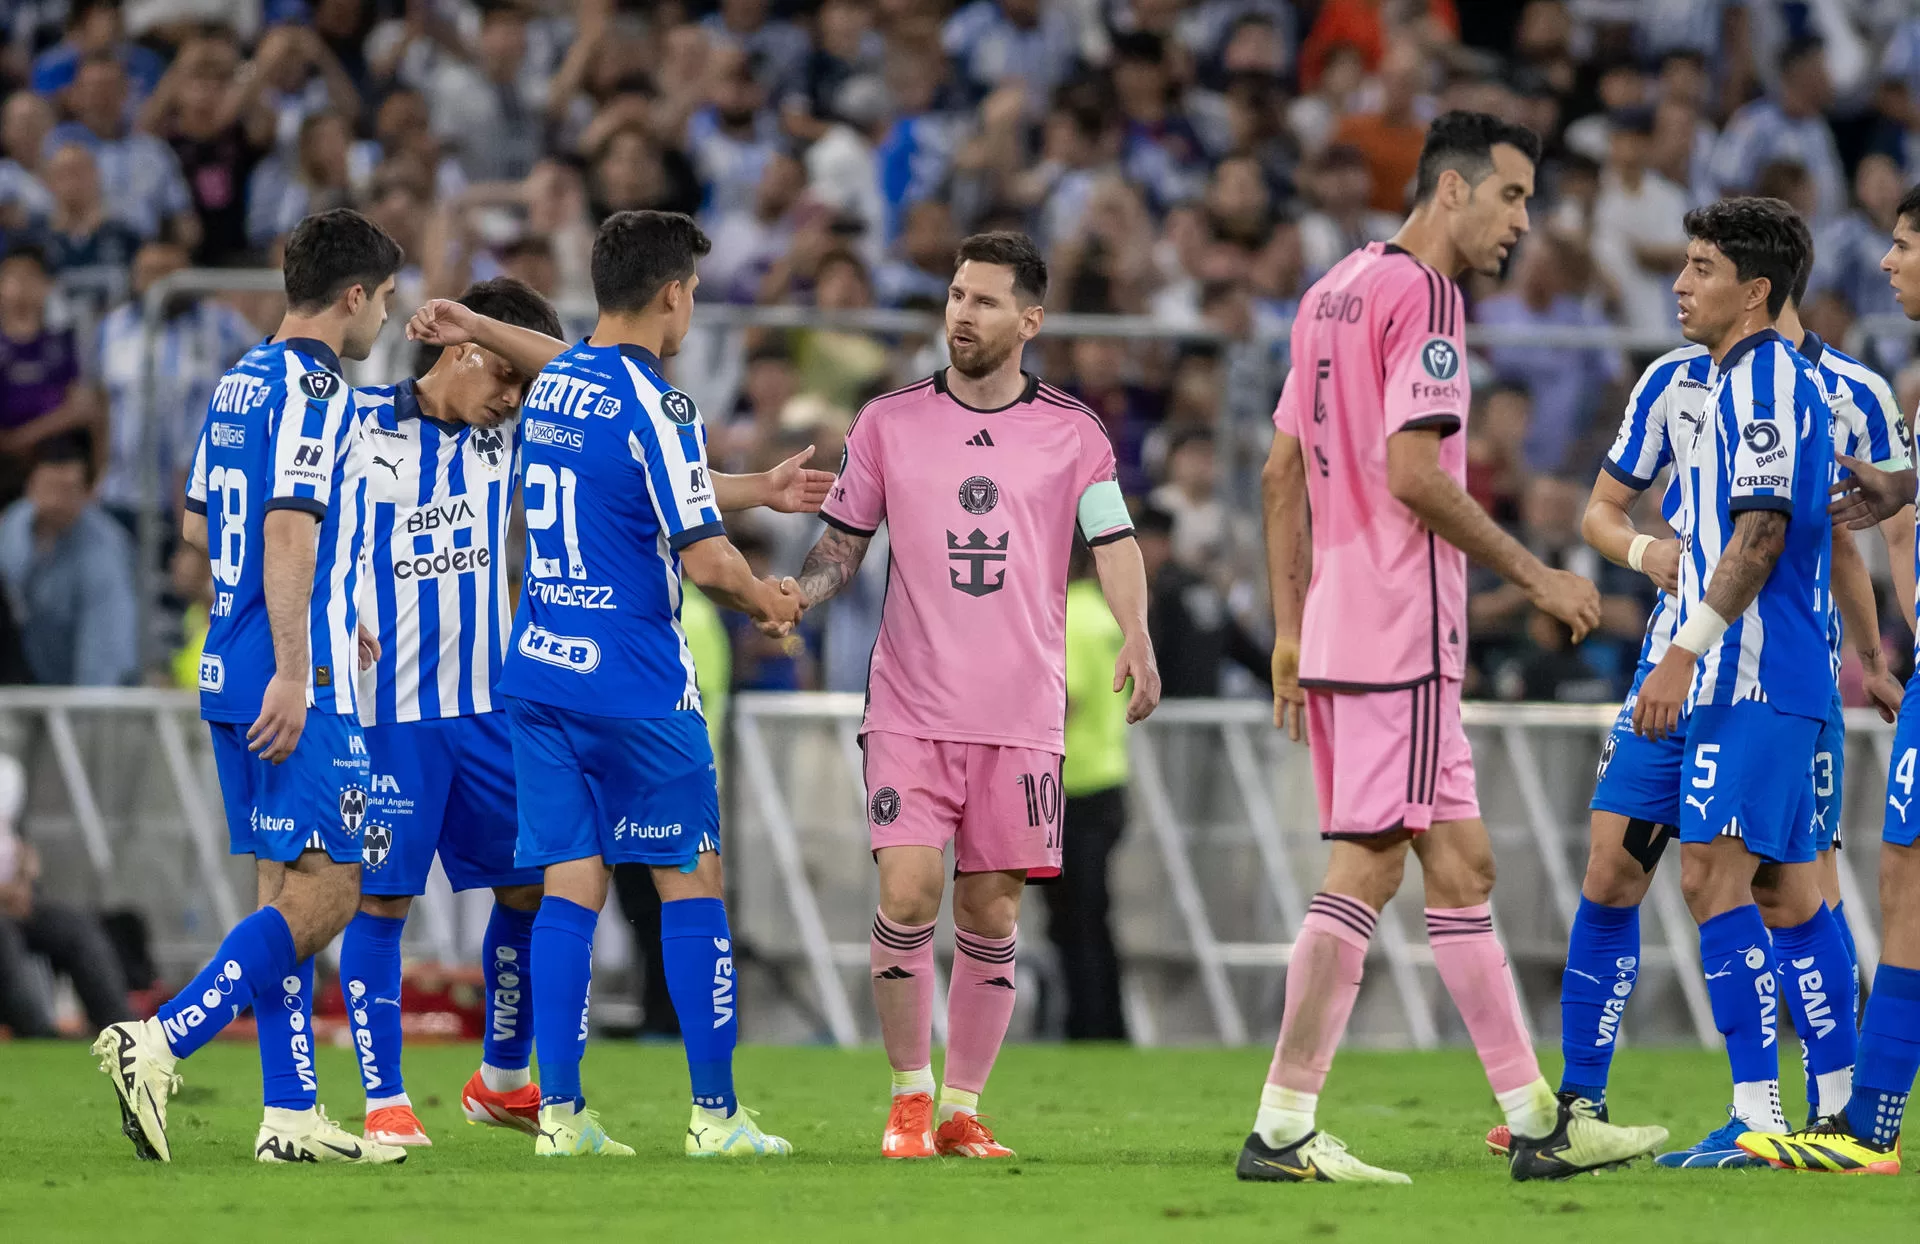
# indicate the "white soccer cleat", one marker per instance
pixel 565 1132
pixel 711 1134
pixel 312 1137
pixel 1314 1158
pixel 136 1057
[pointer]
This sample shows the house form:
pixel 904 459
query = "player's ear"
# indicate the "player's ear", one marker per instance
pixel 1030 321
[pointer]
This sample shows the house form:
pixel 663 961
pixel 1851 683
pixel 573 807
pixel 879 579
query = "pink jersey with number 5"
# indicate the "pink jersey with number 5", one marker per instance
pixel 980 507
pixel 1378 348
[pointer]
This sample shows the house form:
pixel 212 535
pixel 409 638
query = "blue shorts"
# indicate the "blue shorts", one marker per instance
pixel 446 786
pixel 631 790
pixel 314 800
pixel 1829 777
pixel 1639 778
pixel 1749 775
pixel 1902 825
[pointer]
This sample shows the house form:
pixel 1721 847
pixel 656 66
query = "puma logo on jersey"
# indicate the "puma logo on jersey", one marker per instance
pixel 1899 805
pixel 1701 804
pixel 391 466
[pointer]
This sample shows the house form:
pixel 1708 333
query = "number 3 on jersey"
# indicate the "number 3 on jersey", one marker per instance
pixel 555 505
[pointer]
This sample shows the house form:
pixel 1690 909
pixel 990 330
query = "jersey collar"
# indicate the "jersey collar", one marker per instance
pixel 1812 348
pixel 319 351
pixel 640 354
pixel 406 402
pixel 1027 393
pixel 1742 347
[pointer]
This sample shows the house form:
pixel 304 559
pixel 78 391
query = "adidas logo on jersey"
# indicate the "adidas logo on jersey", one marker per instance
pixel 982 438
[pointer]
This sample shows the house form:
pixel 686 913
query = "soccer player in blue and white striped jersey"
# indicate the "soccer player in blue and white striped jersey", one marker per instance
pixel 277 499
pixel 1748 666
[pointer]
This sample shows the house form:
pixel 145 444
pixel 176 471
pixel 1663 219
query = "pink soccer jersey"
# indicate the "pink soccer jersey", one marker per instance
pixel 980 507
pixel 1378 348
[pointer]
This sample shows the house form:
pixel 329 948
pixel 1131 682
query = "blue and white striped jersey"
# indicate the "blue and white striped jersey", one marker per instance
pixel 1766 443
pixel 279 435
pixel 1670 393
pixel 439 498
pixel 616 484
pixel 1864 417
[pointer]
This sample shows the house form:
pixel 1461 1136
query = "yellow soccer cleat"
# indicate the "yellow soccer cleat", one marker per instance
pixel 569 1133
pixel 1829 1147
pixel 136 1058
pixel 711 1134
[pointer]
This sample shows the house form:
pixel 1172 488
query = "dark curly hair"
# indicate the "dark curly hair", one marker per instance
pixel 1763 238
pixel 1464 142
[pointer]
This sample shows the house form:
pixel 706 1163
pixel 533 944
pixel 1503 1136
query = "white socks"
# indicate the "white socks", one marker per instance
pixel 1757 1102
pixel 1285 1115
pixel 381 1103
pixel 504 1079
pixel 1532 1110
pixel 957 1101
pixel 1833 1088
pixel 919 1080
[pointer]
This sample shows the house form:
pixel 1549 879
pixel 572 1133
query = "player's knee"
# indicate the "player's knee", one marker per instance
pixel 390 908
pixel 519 897
pixel 1613 878
pixel 988 915
pixel 910 898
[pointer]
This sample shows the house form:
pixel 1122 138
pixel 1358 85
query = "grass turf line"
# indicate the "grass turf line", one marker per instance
pixel 1115 1144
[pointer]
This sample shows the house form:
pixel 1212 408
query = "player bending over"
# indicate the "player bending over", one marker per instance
pixel 1863 1137
pixel 277 498
pixel 983 475
pixel 1370 609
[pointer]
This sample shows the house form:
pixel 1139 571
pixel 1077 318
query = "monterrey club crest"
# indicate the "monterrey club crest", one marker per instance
pixel 979 494
pixel 1440 359
pixel 1606 756
pixel 678 407
pixel 353 808
pixel 884 807
pixel 376 844
pixel 490 445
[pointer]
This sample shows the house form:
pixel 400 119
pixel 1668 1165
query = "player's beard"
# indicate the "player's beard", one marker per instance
pixel 980 358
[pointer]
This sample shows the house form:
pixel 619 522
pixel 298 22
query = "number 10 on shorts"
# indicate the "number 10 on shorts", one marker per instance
pixel 1043 804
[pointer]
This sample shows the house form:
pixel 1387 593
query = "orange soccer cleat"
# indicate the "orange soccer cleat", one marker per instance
pixel 965 1135
pixel 909 1128
pixel 395 1125
pixel 1499 1140
pixel 518 1108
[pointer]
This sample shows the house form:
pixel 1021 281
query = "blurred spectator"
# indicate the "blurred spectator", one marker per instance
pixel 77 232
pixel 778 48
pixel 1340 186
pixel 1847 279
pixel 198 339
pixel 1496 450
pixel 40 392
pixel 1192 629
pixel 139 173
pixel 68 572
pixel 922 266
pixel 1638 238
pixel 25 121
pixel 489 112
pixel 847 51
pixel 1159 151
pixel 1031 42
pixel 762 662
pixel 217 122
pixel 73 942
pixel 916 150
pixel 312 179
pixel 1106 381
pixel 1567 383
pixel 845 368
pixel 748 241
pixel 93 28
pixel 1621 90
pixel 1389 137
pixel 1200 527
pixel 733 138
pixel 191 576
pixel 1786 125
pixel 301 77
pixel 1363 26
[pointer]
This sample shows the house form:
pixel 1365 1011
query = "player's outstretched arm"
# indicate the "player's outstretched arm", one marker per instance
pixel 1417 481
pixel 1898 532
pixel 1860 615
pixel 1283 494
pixel 1123 581
pixel 723 574
pixel 831 564
pixel 444 322
pixel 1759 537
pixel 1608 526
pixel 1869 495
pixel 790 488
pixel 287 582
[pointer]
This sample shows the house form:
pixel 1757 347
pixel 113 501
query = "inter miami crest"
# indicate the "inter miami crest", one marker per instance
pixel 376 844
pixel 678 407
pixel 353 808
pixel 979 494
pixel 490 445
pixel 884 807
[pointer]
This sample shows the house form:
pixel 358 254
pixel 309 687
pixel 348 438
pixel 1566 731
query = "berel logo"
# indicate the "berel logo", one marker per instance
pixel 577 654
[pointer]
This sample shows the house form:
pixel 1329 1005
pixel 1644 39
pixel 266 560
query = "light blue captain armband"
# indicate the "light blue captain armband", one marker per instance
pixel 1103 513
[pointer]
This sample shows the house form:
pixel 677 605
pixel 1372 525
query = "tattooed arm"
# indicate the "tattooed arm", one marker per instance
pixel 831 564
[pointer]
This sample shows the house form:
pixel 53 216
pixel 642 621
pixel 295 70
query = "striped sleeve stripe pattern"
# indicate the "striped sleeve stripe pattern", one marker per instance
pixel 1443 923
pixel 1350 912
pixel 1443 303
pixel 872 402
pixel 899 937
pixel 1423 752
pixel 980 950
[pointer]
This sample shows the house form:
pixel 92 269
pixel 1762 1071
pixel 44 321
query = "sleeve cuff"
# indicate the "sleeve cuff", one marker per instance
pixel 694 535
pixel 1779 505
pixel 1110 537
pixel 1440 421
pixel 306 505
pixel 865 533
pixel 1625 476
pixel 196 506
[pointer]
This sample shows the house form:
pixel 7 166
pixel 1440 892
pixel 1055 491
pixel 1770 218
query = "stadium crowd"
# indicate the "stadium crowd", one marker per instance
pixel 1195 163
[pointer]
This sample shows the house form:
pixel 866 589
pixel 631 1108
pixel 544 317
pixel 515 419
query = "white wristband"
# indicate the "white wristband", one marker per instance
pixel 1638 550
pixel 1701 630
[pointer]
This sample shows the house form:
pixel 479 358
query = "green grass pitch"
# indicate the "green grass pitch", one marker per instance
pixel 1115 1144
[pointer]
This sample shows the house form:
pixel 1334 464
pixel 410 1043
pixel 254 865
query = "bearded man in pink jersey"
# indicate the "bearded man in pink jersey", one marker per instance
pixel 1369 527
pixel 983 475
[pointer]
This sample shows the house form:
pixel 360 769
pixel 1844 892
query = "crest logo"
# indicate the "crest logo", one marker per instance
pixel 353 808
pixel 1440 359
pixel 978 494
pixel 884 807
pixel 376 845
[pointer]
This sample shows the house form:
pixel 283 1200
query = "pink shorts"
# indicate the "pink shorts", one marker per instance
pixel 1387 760
pixel 999 806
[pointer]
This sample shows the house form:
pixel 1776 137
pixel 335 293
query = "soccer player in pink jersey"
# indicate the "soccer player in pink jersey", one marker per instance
pixel 1369 527
pixel 983 474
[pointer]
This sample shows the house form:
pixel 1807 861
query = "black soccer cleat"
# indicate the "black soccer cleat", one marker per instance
pixel 1581 1140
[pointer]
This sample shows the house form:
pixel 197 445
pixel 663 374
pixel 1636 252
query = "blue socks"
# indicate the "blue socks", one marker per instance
pixel 283 1012
pixel 1889 1056
pixel 1853 959
pixel 1814 970
pixel 698 951
pixel 1736 956
pixel 370 981
pixel 562 948
pixel 1603 962
pixel 254 956
pixel 507 952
